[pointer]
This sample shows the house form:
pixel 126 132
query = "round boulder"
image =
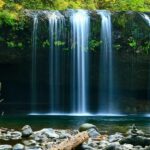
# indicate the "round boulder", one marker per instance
pixel 26 131
pixel 5 147
pixel 18 147
pixel 87 126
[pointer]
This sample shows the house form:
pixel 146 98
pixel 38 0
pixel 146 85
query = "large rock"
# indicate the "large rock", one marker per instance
pixel 31 145
pixel 63 134
pixel 114 146
pixel 136 140
pixel 86 147
pixel 115 137
pixel 147 148
pixel 16 135
pixel 50 133
pixel 29 142
pixel 103 144
pixel 135 131
pixel 10 135
pixel 5 147
pixel 44 134
pixel 87 126
pixel 26 131
pixel 93 133
pixel 18 147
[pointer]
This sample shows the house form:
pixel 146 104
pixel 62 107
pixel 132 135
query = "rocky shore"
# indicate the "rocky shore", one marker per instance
pixel 45 139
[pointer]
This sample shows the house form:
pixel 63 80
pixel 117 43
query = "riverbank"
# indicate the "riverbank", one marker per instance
pixel 44 139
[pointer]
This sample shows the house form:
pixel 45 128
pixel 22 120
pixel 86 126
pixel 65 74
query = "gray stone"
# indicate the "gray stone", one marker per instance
pixel 87 147
pixel 40 137
pixel 128 146
pixel 138 147
pixel 103 144
pixel 87 126
pixel 18 147
pixel 29 142
pixel 5 147
pixel 147 148
pixel 48 132
pixel 16 135
pixel 33 148
pixel 11 135
pixel 114 146
pixel 63 134
pixel 136 140
pixel 115 137
pixel 135 131
pixel 93 133
pixel 26 131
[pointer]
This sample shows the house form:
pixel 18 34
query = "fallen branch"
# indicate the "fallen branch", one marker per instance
pixel 73 142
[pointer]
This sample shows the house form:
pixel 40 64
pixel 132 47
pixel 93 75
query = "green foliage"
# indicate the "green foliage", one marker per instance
pixel 117 47
pixel 122 20
pixel 132 43
pixel 136 5
pixel 59 43
pixel 145 47
pixel 20 45
pixel 13 44
pixel 45 44
pixel 10 9
pixel 8 17
pixel 93 44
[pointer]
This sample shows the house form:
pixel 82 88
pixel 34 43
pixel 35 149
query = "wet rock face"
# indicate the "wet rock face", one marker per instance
pixel 26 131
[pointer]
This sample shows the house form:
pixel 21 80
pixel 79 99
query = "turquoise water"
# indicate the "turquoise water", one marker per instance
pixel 110 124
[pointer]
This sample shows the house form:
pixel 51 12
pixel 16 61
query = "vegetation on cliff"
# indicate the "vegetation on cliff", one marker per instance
pixel 13 22
pixel 9 9
pixel 136 5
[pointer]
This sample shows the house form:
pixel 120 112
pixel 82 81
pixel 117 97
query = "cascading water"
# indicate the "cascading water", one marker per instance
pixel 34 62
pixel 56 23
pixel 106 61
pixel 80 23
pixel 146 18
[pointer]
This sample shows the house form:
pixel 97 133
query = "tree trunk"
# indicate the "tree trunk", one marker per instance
pixel 73 142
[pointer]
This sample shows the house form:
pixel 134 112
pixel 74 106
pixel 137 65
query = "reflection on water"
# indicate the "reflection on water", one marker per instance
pixel 104 123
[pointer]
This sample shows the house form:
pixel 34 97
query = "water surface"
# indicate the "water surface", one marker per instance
pixel 104 123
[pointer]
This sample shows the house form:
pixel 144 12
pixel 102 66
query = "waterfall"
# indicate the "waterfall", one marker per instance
pixel 146 18
pixel 106 63
pixel 80 22
pixel 34 62
pixel 56 22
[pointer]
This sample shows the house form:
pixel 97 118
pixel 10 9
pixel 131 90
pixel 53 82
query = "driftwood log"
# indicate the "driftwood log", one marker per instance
pixel 73 142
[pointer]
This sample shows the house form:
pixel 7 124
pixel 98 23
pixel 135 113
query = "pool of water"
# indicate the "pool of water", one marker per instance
pixel 104 123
